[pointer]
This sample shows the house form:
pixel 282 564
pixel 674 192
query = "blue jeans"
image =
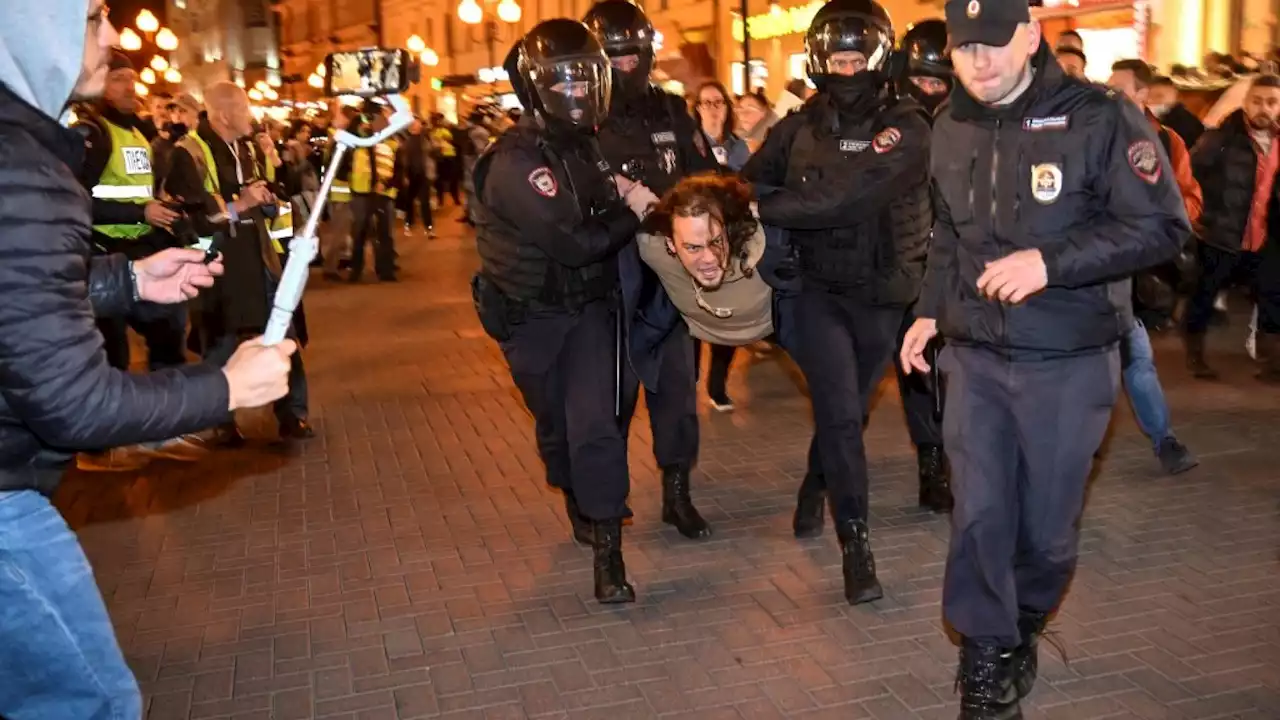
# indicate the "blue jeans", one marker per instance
pixel 59 659
pixel 1142 385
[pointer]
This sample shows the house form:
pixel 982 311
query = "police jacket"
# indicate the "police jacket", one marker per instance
pixel 854 192
pixel 58 395
pixel 1225 161
pixel 548 219
pixel 1069 169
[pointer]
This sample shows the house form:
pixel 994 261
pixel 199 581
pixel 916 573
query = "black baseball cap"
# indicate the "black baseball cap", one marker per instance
pixel 986 22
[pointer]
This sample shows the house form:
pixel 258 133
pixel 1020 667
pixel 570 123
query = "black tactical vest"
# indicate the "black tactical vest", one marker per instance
pixel 880 259
pixel 646 133
pixel 529 278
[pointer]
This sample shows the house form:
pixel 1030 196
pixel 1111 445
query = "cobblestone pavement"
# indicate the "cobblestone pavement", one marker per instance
pixel 411 563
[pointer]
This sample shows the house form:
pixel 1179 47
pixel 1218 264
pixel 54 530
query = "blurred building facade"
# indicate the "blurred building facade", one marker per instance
pixel 222 40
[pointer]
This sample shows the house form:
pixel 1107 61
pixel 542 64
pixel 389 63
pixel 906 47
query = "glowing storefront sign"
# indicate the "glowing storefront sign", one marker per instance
pixel 779 22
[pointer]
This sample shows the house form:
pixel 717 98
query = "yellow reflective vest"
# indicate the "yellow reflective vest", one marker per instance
pixel 127 178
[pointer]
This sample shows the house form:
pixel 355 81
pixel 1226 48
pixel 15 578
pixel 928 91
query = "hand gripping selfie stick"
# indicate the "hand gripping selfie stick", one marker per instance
pixel 304 247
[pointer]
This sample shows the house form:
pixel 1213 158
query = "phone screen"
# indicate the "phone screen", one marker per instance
pixel 367 73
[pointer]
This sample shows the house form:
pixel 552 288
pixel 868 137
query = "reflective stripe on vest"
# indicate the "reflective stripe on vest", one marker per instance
pixel 126 178
pixel 281 227
pixel 362 181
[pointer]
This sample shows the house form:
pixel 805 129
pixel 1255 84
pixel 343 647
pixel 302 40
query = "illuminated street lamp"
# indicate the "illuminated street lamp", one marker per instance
pixel 429 57
pixel 147 22
pixel 509 11
pixel 147 76
pixel 271 95
pixel 470 12
pixel 415 44
pixel 130 41
pixel 315 81
pixel 159 64
pixel 166 40
pixel 141 89
pixel 255 94
pixel 172 76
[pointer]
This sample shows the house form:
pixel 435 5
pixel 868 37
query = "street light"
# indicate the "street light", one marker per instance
pixel 147 76
pixel 470 12
pixel 271 95
pixel 129 40
pixel 315 81
pixel 415 44
pixel 159 64
pixel 430 58
pixel 141 89
pixel 509 11
pixel 172 76
pixel 147 22
pixel 166 40
pixel 255 94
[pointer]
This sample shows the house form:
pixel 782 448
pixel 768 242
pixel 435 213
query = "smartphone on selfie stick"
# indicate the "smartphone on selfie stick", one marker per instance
pixel 367 73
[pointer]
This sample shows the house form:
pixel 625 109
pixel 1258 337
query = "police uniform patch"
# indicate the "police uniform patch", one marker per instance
pixel 974 9
pixel 1145 161
pixel 1046 182
pixel 886 140
pixel 544 182
pixel 854 145
pixel 1040 124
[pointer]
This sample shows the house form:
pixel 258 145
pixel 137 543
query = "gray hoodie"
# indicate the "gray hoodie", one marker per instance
pixel 41 48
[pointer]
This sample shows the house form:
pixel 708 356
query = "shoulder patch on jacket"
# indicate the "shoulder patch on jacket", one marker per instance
pixel 544 182
pixel 1145 161
pixel 887 140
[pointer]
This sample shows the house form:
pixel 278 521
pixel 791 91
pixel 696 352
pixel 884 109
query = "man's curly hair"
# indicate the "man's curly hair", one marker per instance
pixel 725 199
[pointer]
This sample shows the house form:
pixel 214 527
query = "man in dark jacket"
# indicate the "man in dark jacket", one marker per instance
pixel 58 654
pixel 1170 111
pixel 1237 165
pixel 214 167
pixel 1051 193
pixel 852 166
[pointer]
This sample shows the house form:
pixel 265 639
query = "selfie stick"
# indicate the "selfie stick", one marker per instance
pixel 303 248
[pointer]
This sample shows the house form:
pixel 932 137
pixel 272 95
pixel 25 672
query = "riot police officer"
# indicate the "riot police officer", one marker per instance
pixel 925 71
pixel 848 175
pixel 650 136
pixel 549 223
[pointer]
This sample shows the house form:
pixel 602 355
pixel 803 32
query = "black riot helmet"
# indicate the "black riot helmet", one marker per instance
pixel 861 26
pixel 566 74
pixel 922 53
pixel 623 30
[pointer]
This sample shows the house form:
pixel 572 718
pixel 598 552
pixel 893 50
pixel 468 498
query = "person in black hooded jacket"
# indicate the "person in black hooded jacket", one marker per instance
pixel 847 175
pixel 58 395
pixel 1051 193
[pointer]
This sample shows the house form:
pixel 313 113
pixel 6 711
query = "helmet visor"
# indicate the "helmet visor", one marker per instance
pixel 848 44
pixel 575 91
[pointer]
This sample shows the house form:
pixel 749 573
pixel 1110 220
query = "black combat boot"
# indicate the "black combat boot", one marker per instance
pixel 986 684
pixel 1025 661
pixel 677 507
pixel 581 525
pixel 1195 357
pixel 935 479
pixel 610 573
pixel 860 583
pixel 807 520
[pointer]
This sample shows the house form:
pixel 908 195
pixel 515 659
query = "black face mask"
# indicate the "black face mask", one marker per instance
pixel 854 95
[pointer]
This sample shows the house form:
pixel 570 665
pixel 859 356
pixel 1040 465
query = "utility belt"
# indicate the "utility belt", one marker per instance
pixel 499 312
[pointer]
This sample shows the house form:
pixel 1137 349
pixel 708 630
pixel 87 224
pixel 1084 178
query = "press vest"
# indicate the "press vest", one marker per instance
pixel 362 169
pixel 127 178
pixel 202 154
pixel 340 191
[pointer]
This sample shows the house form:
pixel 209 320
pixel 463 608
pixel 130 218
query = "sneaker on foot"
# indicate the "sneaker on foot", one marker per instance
pixel 1174 457
pixel 722 403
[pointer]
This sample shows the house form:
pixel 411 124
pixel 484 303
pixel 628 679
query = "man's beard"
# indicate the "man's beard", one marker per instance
pixel 1261 123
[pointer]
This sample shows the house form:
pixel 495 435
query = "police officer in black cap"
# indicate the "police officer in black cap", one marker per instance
pixel 847 174
pixel 1051 193
pixel 650 136
pixel 550 219
pixel 923 73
